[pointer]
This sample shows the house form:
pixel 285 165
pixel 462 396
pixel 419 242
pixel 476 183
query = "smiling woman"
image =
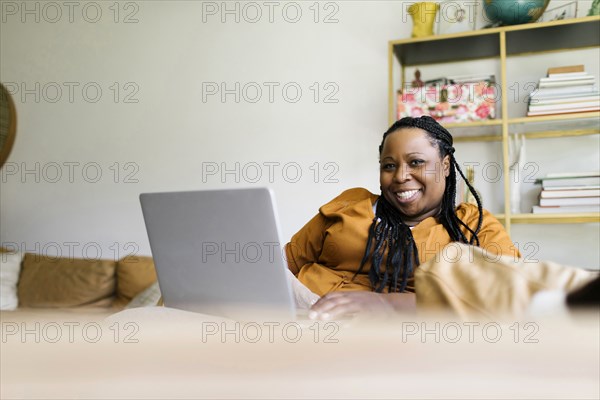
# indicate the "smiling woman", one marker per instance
pixel 361 251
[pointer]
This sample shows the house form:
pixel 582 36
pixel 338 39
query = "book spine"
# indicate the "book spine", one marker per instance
pixel 567 75
pixel 564 209
pixel 564 106
pixel 574 91
pixel 571 201
pixel 566 111
pixel 578 174
pixel 560 194
pixel 574 79
pixel 564 100
pixel 584 82
pixel 589 181
pixel 566 69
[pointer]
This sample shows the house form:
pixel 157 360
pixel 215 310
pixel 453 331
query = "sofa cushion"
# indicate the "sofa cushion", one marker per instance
pixel 148 297
pixel 10 266
pixel 134 275
pixel 66 282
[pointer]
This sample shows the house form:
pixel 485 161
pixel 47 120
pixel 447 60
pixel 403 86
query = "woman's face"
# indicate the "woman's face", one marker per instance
pixel 412 174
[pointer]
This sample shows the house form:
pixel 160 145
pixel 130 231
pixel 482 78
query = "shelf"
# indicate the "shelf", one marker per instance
pixel 555 126
pixel 595 115
pixel 552 218
pixel 412 52
pixel 474 124
pixel 573 33
pixel 551 126
pixel 485 130
pixel 478 138
pixel 565 36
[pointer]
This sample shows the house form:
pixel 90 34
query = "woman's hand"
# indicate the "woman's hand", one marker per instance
pixel 338 304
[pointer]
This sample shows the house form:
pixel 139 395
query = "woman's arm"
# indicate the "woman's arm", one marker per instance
pixel 306 245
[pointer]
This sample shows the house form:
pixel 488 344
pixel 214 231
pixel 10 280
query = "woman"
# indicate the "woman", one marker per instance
pixel 361 250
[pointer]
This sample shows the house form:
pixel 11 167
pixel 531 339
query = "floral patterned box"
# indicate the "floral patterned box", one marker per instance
pixel 463 102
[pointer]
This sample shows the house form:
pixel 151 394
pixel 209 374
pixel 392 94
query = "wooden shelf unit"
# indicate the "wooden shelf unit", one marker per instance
pixel 500 44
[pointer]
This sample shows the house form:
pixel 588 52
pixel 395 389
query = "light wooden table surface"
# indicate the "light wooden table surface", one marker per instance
pixel 165 353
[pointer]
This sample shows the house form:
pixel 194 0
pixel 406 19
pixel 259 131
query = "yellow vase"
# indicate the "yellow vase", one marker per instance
pixel 423 16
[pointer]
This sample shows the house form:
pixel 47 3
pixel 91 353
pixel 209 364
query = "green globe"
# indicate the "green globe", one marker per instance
pixel 514 12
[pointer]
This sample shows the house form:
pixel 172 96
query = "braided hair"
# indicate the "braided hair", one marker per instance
pixel 388 230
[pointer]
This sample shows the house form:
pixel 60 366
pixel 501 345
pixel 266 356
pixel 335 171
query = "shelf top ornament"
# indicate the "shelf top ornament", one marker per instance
pixel 595 8
pixel 423 16
pixel 513 12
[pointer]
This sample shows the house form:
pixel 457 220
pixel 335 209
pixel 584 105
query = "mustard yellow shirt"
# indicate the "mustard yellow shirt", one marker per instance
pixel 326 253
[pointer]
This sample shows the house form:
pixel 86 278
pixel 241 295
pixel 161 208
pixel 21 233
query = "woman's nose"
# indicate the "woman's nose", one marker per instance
pixel 403 174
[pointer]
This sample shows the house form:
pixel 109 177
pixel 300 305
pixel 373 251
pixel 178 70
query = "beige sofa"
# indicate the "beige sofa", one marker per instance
pixel 60 282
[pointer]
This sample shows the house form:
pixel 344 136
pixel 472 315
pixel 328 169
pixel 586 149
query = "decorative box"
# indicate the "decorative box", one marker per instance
pixel 464 102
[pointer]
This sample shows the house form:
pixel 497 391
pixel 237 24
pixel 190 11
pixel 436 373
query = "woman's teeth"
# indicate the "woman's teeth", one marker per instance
pixel 406 195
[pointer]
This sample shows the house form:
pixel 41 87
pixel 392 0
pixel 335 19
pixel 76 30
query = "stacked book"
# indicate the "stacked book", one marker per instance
pixel 565 90
pixel 569 193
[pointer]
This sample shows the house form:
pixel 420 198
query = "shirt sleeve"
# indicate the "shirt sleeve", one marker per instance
pixel 305 246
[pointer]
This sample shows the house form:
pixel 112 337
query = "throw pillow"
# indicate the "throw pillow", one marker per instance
pixel 146 298
pixel 134 274
pixel 66 282
pixel 10 266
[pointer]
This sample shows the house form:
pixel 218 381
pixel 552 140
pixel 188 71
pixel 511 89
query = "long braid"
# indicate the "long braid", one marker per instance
pixel 388 230
pixel 479 207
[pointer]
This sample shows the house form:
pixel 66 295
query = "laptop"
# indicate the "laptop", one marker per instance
pixel 219 252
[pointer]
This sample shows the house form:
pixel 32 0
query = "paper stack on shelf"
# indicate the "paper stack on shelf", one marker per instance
pixel 565 90
pixel 472 78
pixel 569 193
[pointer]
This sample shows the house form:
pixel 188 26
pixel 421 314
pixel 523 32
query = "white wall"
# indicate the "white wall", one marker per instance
pixel 165 61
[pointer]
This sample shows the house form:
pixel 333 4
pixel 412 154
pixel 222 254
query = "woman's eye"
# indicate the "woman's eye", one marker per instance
pixel 388 166
pixel 416 163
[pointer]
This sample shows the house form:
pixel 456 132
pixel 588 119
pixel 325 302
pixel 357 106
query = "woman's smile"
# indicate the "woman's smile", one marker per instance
pixel 407 196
